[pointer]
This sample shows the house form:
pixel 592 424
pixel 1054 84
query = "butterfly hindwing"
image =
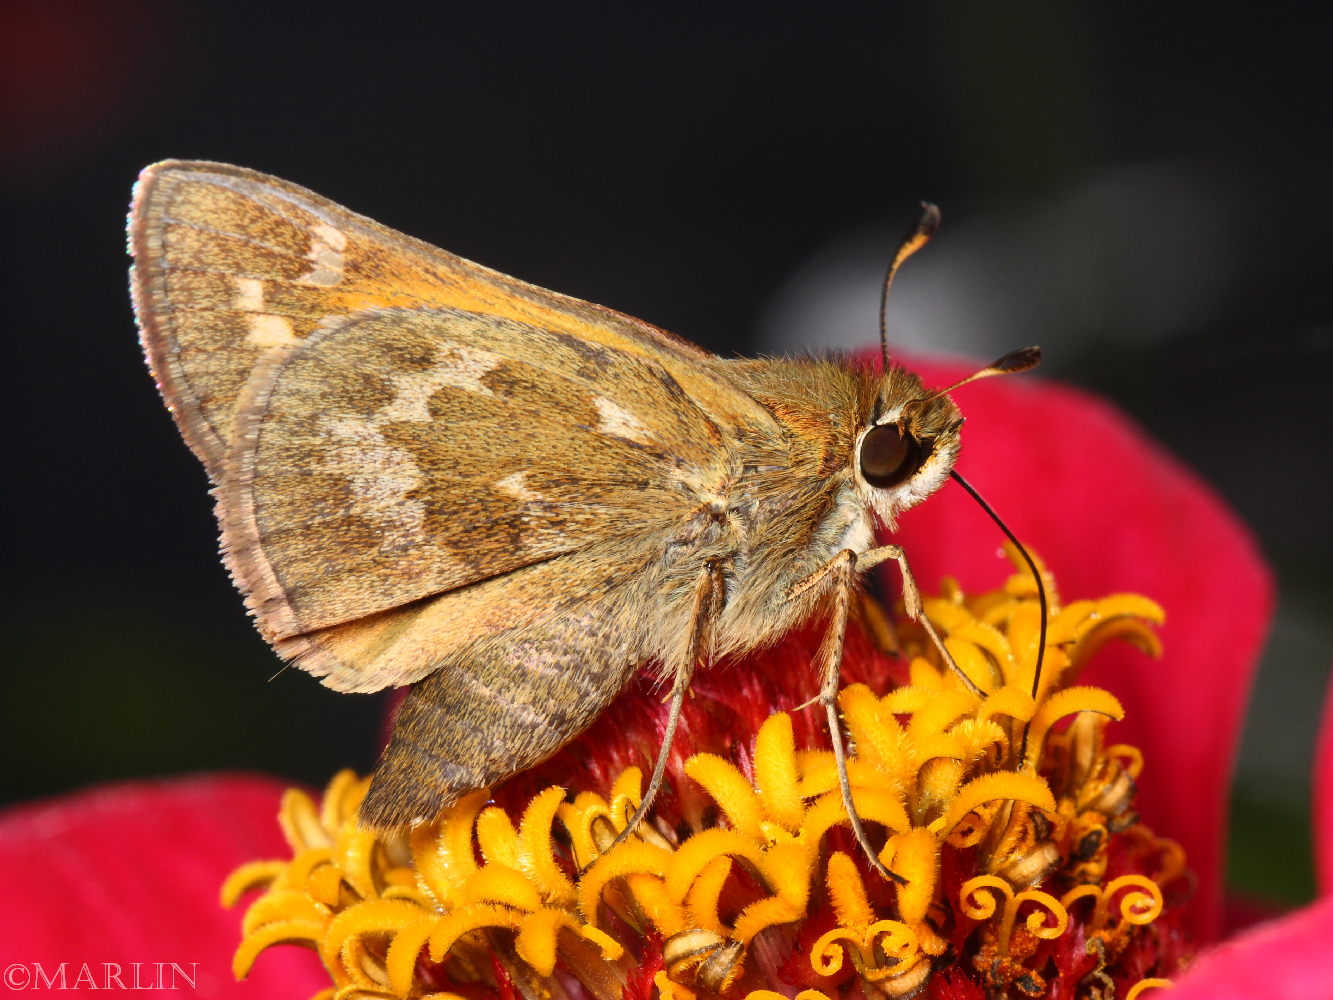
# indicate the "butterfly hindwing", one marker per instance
pixel 408 453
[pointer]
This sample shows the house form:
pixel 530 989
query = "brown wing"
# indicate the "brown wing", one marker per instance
pixel 230 262
pixel 412 453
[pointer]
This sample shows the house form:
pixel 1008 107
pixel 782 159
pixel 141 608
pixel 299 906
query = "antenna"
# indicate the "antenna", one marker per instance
pixel 1015 361
pixel 917 237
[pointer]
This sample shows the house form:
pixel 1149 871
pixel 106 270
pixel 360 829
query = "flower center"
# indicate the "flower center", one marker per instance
pixel 1011 821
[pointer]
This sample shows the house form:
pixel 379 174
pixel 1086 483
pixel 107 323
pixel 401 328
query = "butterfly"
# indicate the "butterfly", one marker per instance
pixel 428 473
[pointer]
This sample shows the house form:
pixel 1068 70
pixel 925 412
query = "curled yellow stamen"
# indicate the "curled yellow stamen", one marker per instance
pixel 1147 984
pixel 1017 848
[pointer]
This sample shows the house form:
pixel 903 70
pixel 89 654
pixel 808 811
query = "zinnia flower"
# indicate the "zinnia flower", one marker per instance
pixel 746 879
pixel 1109 514
pixel 1287 958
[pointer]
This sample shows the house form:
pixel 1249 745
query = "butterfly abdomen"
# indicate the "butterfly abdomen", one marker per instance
pixel 475 724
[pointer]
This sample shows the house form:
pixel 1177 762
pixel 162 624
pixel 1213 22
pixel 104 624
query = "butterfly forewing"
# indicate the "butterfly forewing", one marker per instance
pixel 230 263
pixel 411 452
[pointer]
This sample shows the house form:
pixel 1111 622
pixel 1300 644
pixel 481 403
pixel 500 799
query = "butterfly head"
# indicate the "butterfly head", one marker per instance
pixel 908 447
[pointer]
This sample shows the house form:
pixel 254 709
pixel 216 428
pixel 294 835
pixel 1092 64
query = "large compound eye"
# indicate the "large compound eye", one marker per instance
pixel 888 457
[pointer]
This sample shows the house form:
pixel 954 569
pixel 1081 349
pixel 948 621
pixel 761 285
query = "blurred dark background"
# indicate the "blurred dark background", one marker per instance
pixel 1141 188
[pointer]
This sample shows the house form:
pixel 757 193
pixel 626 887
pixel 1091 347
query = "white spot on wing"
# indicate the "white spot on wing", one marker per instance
pixel 516 485
pixel 249 295
pixel 334 238
pixel 327 244
pixel 615 420
pixel 267 330
pixel 457 367
pixel 380 475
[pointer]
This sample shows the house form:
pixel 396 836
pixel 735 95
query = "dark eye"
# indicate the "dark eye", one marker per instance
pixel 888 457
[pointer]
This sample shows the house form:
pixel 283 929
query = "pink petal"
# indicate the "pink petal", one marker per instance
pixel 1110 511
pixel 1286 959
pixel 1323 799
pixel 130 873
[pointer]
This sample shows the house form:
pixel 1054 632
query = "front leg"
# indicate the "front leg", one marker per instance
pixel 840 573
pixel 869 559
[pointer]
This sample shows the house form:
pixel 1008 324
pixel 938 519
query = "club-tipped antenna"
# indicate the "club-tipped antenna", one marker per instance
pixel 916 238
pixel 1015 361
pixel 1041 593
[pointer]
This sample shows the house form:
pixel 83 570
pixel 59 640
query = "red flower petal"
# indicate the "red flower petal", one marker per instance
pixel 1286 959
pixel 130 874
pixel 1110 511
pixel 1323 799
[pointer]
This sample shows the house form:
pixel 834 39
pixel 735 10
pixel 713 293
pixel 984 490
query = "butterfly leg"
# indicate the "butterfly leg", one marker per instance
pixel 708 596
pixel 840 574
pixel 912 605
